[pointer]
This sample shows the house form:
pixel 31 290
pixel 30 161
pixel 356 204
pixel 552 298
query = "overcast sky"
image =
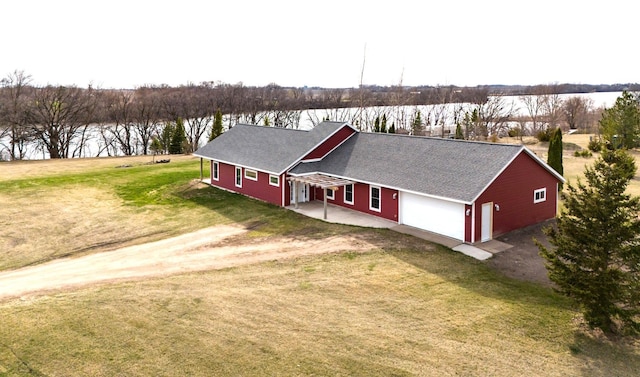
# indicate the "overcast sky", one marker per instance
pixel 125 44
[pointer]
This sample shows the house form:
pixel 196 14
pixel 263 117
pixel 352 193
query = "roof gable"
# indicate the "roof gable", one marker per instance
pixel 269 149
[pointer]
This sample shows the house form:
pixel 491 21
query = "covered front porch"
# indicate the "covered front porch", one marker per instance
pixel 322 181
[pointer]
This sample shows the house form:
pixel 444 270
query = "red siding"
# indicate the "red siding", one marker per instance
pixel 260 189
pixel 388 204
pixel 332 142
pixel 512 191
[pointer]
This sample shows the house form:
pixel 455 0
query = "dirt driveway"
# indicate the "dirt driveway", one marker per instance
pixel 206 249
pixel 522 261
pixel 221 247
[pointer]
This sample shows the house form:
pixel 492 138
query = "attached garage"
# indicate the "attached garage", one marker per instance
pixel 435 215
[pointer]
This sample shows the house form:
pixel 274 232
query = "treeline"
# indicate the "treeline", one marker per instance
pixel 60 121
pixel 520 90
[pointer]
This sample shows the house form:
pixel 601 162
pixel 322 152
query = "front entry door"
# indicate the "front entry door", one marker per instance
pixel 487 222
pixel 303 192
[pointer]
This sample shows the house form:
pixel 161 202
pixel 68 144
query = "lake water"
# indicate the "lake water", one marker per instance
pixel 308 118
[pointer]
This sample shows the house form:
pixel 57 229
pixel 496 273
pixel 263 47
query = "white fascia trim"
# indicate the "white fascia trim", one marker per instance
pixel 316 146
pixel 387 187
pixel 242 166
pixel 473 223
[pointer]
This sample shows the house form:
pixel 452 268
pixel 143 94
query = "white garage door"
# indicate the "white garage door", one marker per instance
pixel 431 214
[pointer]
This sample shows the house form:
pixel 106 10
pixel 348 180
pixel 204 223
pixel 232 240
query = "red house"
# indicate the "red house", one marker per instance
pixel 470 191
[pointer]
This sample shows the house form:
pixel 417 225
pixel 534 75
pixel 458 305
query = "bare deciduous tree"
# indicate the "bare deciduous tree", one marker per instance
pixel 494 114
pixel 57 117
pixel 13 113
pixel 146 116
pixel 576 111
pixel 120 112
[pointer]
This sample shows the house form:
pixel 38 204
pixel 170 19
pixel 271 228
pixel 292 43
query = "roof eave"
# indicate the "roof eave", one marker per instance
pixel 461 201
pixel 236 164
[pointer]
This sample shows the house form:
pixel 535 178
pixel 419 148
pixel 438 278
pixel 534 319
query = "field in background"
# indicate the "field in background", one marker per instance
pixel 574 166
pixel 406 308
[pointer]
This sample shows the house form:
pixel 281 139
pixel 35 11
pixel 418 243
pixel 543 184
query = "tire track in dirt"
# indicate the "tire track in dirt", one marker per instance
pixel 206 249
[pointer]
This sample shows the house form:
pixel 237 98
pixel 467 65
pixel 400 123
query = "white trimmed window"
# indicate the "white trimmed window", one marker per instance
pixel 216 171
pixel 348 194
pixel 540 195
pixel 374 198
pixel 274 180
pixel 238 176
pixel 330 194
pixel 251 174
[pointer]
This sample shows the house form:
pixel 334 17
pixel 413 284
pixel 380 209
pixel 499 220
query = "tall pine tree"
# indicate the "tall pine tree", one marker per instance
pixel 459 134
pixel 178 139
pixel 554 157
pixel 383 124
pixel 166 135
pixel 595 258
pixel 376 125
pixel 216 127
pixel 416 124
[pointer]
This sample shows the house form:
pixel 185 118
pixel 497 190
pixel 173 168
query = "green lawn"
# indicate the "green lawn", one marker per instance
pixel 405 308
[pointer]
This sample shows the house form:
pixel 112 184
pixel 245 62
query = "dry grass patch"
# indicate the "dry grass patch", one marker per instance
pixel 49 224
pixel 394 313
pixel 46 168
pixel 574 166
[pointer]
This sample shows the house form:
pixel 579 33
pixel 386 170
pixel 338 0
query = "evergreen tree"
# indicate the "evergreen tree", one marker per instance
pixel 178 139
pixel 620 125
pixel 459 134
pixel 392 129
pixel 416 125
pixel 376 125
pixel 383 124
pixel 554 158
pixel 216 127
pixel 595 258
pixel 267 122
pixel 166 135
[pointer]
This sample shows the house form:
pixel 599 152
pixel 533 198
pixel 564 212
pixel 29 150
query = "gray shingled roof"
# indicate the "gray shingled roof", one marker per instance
pixel 269 149
pixel 455 169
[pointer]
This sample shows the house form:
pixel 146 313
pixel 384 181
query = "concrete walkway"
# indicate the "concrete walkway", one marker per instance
pixel 342 215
